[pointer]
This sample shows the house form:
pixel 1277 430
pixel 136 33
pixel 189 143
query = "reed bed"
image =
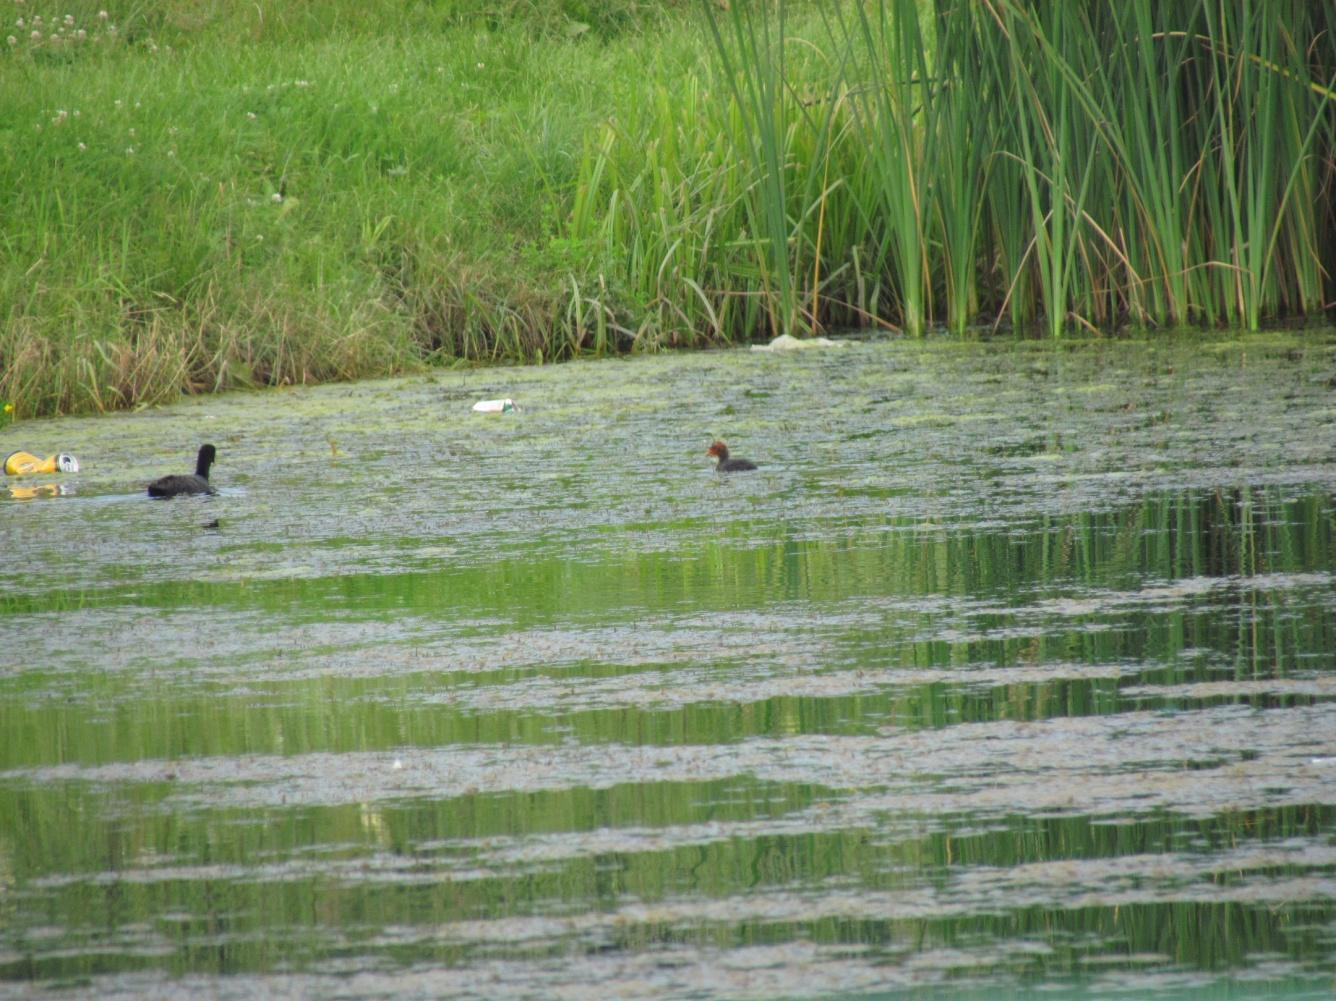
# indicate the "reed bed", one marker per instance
pixel 208 200
pixel 1079 166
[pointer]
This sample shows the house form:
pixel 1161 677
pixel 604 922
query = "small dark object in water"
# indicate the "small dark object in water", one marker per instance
pixel 212 524
pixel 722 463
pixel 180 485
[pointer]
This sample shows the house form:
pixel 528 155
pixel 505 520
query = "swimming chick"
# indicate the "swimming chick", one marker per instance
pixel 723 464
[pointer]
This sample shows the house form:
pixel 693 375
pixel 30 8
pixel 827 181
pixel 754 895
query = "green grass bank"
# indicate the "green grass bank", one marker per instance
pixel 207 195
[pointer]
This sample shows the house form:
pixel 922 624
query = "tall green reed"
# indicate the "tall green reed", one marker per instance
pixel 958 132
pixel 1096 163
pixel 753 66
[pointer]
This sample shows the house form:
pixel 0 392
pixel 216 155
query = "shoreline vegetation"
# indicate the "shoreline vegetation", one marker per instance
pixel 208 196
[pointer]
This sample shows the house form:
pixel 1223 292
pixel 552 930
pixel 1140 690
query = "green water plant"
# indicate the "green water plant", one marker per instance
pixel 754 70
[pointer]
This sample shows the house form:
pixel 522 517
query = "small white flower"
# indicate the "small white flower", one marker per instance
pixel 302 83
pixel 102 15
pixel 250 116
pixel 12 40
pixel 171 153
pixel 276 197
pixel 482 65
pixel 18 23
pixel 81 34
pixel 36 36
pixel 259 238
pixel 69 20
pixel 117 102
pixel 129 151
pixel 82 147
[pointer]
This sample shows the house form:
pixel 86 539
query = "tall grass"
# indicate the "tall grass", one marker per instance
pixel 1091 163
pixel 1072 166
pixel 198 200
pixel 211 198
pixel 757 80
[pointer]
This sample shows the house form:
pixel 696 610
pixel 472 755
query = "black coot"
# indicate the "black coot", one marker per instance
pixel 180 485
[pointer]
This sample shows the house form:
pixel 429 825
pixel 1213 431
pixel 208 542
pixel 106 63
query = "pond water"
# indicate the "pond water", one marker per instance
pixel 1011 671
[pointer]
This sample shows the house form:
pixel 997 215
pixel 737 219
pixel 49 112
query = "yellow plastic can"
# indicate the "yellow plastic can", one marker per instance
pixel 25 464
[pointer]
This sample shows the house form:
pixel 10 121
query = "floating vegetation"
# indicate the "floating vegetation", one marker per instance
pixel 1012 666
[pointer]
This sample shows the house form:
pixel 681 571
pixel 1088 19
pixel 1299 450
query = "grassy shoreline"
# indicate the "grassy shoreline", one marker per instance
pixel 208 200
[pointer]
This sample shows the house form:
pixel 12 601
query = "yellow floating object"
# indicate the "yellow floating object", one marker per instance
pixel 25 464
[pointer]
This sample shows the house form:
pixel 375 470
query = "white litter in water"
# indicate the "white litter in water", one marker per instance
pixel 787 342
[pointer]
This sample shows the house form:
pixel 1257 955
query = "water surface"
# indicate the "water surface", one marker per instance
pixel 1012 670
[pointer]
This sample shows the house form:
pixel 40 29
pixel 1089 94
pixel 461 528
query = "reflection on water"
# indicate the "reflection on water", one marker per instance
pixel 1012 669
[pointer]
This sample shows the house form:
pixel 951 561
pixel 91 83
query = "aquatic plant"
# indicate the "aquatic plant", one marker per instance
pixel 1107 162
